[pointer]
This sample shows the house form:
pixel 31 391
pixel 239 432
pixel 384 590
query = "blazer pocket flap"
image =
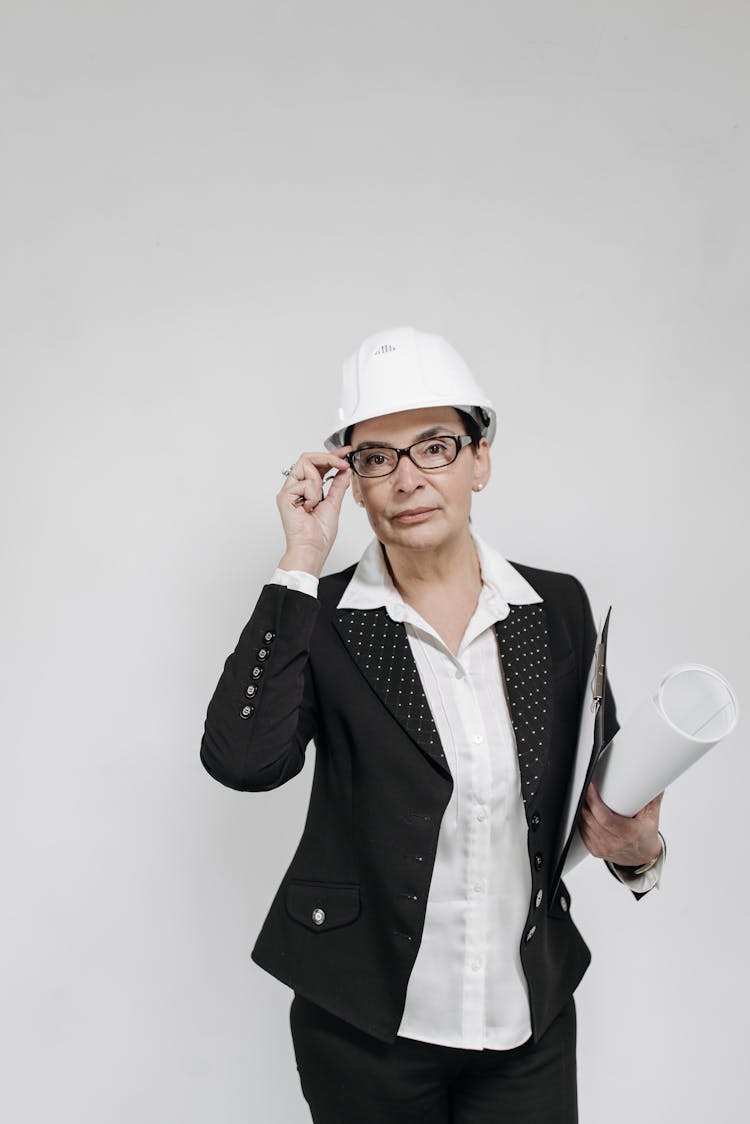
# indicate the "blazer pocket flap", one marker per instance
pixel 322 905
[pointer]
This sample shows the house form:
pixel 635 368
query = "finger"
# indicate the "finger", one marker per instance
pixel 650 811
pixel 593 795
pixel 294 482
pixel 603 838
pixel 313 464
pixel 320 461
pixel 304 483
pixel 310 485
pixel 591 837
pixel 599 810
pixel 590 823
pixel 323 461
pixel 338 486
pixel 295 491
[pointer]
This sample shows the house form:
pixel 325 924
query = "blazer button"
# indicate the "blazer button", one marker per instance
pixel 538 860
pixel 251 691
pixel 538 899
pixel 256 672
pixel 268 636
pixel 318 916
pixel 246 711
pixel 530 933
pixel 263 654
pixel 535 821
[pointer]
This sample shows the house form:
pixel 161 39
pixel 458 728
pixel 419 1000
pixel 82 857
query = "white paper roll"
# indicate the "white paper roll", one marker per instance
pixel 693 708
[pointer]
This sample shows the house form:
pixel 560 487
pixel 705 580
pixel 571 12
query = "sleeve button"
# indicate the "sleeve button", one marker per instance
pixel 538 860
pixel 247 711
pixel 263 653
pixel 256 672
pixel 251 691
pixel 563 903
pixel 530 933
pixel 268 636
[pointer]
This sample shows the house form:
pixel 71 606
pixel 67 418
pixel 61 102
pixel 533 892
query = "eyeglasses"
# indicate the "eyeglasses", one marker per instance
pixel 432 452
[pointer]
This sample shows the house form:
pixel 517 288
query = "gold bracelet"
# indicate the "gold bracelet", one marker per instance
pixel 647 866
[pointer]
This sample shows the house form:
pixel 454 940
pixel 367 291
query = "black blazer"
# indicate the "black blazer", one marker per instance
pixel 345 925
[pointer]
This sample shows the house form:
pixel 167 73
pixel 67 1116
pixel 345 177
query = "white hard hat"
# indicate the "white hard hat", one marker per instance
pixel 404 369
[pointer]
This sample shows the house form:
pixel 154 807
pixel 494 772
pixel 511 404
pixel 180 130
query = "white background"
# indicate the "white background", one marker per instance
pixel 204 208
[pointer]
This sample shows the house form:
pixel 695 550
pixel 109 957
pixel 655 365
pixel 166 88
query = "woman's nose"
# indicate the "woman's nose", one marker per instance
pixel 406 474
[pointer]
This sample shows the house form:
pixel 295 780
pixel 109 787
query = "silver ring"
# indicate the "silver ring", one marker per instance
pixel 290 472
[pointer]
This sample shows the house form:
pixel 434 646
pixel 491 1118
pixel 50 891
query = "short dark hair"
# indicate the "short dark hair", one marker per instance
pixel 471 425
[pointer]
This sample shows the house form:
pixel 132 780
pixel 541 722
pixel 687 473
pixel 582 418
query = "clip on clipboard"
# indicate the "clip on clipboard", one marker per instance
pixel 590 738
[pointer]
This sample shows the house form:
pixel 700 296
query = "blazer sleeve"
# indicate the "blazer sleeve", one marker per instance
pixel 262 714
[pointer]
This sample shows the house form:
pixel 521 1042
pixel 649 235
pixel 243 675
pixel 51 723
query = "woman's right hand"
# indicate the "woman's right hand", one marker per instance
pixel 311 522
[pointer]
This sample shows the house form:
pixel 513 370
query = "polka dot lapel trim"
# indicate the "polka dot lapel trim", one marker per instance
pixel 524 651
pixel 381 650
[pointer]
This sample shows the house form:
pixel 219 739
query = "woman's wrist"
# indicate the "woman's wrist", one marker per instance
pixel 647 864
pixel 307 559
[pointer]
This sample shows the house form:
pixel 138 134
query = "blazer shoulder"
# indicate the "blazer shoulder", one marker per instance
pixel 552 585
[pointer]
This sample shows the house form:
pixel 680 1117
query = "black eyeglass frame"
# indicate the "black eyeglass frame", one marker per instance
pixel 461 440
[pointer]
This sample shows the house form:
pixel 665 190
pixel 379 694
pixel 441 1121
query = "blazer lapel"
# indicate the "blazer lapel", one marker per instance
pixel 524 651
pixel 380 648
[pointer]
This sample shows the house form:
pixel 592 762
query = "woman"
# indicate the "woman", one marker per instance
pixel 433 967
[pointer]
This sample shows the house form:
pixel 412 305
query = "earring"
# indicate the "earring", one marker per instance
pixel 478 487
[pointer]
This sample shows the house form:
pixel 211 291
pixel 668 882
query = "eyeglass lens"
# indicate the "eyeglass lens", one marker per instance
pixel 434 452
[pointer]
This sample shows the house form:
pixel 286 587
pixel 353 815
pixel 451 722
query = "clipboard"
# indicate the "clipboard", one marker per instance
pixel 588 749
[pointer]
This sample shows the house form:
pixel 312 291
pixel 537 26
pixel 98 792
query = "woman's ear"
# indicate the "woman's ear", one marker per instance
pixel 482 466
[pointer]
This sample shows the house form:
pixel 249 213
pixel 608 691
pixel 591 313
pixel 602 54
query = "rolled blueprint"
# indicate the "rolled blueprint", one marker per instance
pixel 693 709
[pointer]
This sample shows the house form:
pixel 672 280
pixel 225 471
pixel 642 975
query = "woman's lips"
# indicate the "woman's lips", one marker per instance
pixel 415 515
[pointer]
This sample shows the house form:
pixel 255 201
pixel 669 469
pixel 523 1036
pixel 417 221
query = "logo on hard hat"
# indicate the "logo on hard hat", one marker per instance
pixel 383 349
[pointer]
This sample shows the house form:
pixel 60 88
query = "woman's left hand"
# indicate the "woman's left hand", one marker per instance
pixel 624 840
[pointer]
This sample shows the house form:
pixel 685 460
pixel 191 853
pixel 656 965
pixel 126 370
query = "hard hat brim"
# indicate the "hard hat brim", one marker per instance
pixel 478 413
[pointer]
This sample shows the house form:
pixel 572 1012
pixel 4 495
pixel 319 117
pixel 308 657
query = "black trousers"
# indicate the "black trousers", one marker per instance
pixel 349 1077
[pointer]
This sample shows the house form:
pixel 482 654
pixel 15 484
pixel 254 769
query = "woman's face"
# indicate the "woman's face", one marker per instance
pixel 414 508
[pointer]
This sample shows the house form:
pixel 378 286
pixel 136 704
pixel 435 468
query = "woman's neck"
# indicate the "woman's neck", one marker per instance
pixel 420 574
